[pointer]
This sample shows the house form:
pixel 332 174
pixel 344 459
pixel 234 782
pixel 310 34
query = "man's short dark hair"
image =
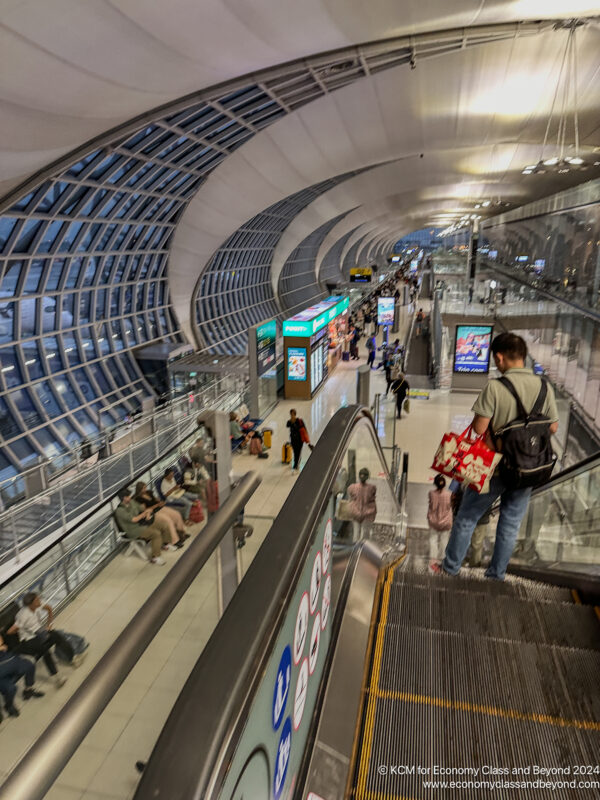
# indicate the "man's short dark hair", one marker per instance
pixel 510 345
pixel 123 493
pixel 29 598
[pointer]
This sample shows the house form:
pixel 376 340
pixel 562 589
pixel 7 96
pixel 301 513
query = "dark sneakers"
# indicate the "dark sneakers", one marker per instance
pixel 27 693
pixel 12 711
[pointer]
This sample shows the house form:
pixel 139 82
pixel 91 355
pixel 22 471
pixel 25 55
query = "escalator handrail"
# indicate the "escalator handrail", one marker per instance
pixel 569 472
pixel 107 501
pixel 194 751
pixel 44 761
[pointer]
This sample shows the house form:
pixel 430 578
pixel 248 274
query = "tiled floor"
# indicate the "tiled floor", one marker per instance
pixel 103 767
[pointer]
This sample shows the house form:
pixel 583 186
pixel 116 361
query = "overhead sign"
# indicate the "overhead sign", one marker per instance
pixel 361 274
pixel 312 319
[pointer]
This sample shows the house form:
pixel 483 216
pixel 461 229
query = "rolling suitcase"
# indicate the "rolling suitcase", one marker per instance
pixel 346 355
pixel 267 433
pixel 286 453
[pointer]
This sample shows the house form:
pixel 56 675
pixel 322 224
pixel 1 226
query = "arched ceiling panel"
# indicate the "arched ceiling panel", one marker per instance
pixel 431 110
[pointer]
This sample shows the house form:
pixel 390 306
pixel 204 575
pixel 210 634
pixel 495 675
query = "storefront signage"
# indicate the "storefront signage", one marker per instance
pixel 296 363
pixel 472 349
pixel 312 319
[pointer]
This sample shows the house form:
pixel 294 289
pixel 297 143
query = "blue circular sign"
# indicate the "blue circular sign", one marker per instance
pixel 282 687
pixel 282 760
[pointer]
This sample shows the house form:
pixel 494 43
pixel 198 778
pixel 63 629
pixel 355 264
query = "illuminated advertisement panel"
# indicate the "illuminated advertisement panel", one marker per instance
pixel 385 310
pixel 296 363
pixel 472 349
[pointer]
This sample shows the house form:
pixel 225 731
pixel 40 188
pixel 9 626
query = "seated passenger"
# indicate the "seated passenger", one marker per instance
pixel 33 624
pixel 169 516
pixel 235 430
pixel 130 517
pixel 176 495
pixel 194 479
pixel 12 669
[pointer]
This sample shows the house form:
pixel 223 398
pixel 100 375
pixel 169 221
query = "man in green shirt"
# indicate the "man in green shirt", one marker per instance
pixel 130 515
pixel 493 409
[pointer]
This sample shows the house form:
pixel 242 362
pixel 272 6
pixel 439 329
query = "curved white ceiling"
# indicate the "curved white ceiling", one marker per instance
pixel 477 115
pixel 73 69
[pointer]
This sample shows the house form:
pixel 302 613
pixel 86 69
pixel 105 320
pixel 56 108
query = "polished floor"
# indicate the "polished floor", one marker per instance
pixel 103 767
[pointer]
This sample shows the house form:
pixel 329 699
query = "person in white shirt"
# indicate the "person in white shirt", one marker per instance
pixel 175 495
pixel 33 624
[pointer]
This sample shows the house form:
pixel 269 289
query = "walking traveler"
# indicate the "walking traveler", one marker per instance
pixel 517 405
pixel 371 350
pixel 439 517
pixel 420 320
pixel 400 388
pixel 298 437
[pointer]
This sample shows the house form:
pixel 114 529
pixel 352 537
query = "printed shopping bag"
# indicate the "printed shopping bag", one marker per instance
pixel 477 466
pixel 450 452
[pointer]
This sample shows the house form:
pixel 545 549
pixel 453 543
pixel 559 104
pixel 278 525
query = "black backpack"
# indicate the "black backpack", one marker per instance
pixel 525 443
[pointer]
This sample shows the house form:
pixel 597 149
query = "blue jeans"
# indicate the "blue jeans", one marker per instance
pixel 513 505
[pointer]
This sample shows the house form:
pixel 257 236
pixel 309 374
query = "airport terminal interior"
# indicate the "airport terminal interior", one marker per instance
pixel 299 400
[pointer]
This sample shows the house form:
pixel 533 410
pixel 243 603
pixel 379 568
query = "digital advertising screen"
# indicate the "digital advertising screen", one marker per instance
pixel 296 363
pixel 266 338
pixel 472 349
pixel 385 310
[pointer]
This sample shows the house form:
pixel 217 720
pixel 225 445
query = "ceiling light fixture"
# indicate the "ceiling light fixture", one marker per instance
pixel 566 87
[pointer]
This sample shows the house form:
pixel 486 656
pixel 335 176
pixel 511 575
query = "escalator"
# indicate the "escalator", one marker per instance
pixel 342 669
pixel 410 677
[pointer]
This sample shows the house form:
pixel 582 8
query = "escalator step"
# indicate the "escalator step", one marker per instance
pixel 498 617
pixel 528 678
pixel 419 734
pixel 516 587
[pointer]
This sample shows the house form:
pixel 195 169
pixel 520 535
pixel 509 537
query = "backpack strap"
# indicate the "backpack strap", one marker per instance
pixel 522 414
pixel 538 406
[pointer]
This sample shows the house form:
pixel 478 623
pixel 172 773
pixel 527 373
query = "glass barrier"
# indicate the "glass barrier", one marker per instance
pixel 360 505
pixel 561 529
pixel 60 573
pixel 55 509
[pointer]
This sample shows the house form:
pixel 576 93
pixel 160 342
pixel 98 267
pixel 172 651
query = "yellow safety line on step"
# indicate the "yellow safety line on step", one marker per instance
pixel 597 610
pixel 365 757
pixel 492 711
pixel 575 596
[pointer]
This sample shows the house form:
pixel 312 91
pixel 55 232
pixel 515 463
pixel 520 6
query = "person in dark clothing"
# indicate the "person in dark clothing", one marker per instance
pixel 400 388
pixel 298 435
pixel 371 349
pixel 12 669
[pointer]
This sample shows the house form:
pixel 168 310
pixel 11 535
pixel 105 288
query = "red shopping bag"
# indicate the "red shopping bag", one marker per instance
pixel 477 466
pixel 451 451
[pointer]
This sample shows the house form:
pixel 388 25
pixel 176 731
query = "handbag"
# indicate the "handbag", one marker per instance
pixel 304 434
pixel 78 643
pixel 343 510
pixel 407 406
pixel 450 452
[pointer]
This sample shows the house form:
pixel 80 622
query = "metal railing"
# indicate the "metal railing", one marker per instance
pixel 14 490
pixel 44 761
pixel 56 508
